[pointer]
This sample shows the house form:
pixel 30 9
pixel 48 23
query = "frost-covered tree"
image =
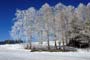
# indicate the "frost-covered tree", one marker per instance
pixel 17 28
pixel 30 23
pixel 24 25
pixel 47 17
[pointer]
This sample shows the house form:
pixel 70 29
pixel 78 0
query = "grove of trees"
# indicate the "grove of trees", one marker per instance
pixel 56 23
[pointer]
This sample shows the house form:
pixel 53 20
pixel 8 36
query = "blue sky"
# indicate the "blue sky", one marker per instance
pixel 9 7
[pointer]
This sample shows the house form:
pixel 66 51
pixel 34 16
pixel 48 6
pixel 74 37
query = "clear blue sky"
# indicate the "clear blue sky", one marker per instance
pixel 8 9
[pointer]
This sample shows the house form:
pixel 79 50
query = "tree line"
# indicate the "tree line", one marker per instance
pixel 10 42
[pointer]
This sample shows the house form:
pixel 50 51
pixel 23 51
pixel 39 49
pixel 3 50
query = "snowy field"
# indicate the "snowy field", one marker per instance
pixel 16 52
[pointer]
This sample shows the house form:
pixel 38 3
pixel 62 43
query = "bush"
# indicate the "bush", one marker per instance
pixel 80 41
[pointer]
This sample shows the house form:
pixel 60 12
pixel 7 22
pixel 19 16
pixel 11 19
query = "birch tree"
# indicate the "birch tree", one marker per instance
pixel 46 16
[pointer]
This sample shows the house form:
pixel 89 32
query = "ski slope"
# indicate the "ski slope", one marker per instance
pixel 16 52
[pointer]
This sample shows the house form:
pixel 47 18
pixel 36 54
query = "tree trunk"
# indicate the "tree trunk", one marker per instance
pixel 30 42
pixel 55 42
pixel 41 36
pixel 63 41
pixel 66 38
pixel 59 43
pixel 48 40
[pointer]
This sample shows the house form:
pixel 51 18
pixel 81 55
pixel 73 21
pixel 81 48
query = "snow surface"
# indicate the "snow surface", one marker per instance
pixel 17 52
pixel 11 46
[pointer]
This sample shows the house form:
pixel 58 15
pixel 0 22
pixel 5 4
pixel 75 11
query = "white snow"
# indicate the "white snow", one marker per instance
pixel 11 46
pixel 17 52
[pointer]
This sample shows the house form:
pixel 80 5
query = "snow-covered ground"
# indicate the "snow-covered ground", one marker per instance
pixel 17 52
